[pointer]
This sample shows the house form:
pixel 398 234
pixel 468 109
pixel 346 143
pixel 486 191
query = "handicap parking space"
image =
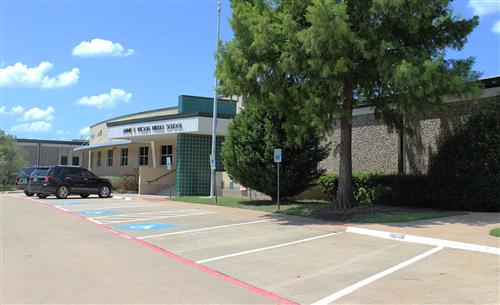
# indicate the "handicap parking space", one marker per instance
pixel 298 260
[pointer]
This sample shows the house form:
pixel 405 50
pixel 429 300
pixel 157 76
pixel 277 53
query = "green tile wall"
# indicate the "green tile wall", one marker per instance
pixel 205 104
pixel 193 164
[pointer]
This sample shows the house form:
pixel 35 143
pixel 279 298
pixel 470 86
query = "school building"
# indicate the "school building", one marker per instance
pixel 169 148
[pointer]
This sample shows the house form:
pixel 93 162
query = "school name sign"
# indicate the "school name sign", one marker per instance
pixel 153 128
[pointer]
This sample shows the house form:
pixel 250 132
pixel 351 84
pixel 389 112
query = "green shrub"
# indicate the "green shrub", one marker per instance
pixel 128 182
pixel 464 174
pixel 372 187
pixel 329 184
pixel 399 190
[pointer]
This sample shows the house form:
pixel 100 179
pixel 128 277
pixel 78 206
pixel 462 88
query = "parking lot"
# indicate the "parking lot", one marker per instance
pixel 151 250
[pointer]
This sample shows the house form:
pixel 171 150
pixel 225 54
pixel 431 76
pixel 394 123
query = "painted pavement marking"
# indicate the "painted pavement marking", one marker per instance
pixel 424 240
pixel 259 291
pixel 204 229
pixel 146 226
pixel 114 219
pixel 115 206
pixel 264 248
pixel 337 295
pixel 99 212
pixel 63 203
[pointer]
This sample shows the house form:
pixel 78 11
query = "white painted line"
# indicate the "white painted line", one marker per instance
pixel 337 295
pixel 154 213
pixel 204 229
pixel 151 218
pixel 263 249
pixel 424 240
pixel 111 207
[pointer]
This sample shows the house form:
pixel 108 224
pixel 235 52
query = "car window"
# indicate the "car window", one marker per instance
pixel 73 171
pixel 56 171
pixel 41 171
pixel 88 174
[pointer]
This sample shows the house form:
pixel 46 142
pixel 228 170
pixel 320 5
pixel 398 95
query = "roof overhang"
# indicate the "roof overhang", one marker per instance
pixel 108 144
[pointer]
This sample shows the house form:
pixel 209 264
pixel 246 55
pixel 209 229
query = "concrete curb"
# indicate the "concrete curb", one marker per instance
pixel 424 240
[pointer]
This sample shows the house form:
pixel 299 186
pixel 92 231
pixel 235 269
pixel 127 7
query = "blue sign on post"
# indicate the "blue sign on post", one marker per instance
pixel 212 162
pixel 145 226
pixel 277 155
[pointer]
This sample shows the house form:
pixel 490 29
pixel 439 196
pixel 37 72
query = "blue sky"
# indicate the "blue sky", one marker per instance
pixel 66 65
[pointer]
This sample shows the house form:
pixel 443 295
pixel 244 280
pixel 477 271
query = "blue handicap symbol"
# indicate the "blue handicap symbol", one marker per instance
pixel 146 226
pixel 99 212
pixel 64 203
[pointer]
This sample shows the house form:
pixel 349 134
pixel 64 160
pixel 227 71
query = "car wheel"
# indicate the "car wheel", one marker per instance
pixel 28 194
pixel 41 196
pixel 104 191
pixel 84 195
pixel 62 192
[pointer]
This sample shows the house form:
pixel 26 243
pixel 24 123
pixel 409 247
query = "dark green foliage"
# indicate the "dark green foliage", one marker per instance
pixel 399 190
pixel 324 57
pixel 376 188
pixel 464 174
pixel 248 152
pixel 12 157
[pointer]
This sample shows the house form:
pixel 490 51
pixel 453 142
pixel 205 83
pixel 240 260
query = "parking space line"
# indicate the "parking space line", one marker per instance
pixel 337 295
pixel 264 248
pixel 204 229
pixel 123 206
pixel 150 218
pixel 154 213
pixel 254 289
pixel 424 240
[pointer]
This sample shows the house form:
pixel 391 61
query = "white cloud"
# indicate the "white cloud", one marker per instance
pixel 20 75
pixel 106 100
pixel 13 110
pixel 62 132
pixel 37 126
pixel 496 27
pixel 484 7
pixel 84 132
pixel 37 114
pixel 101 47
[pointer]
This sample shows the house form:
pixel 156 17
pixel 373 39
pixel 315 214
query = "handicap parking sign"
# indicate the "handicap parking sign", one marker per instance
pixel 145 226
pixel 99 212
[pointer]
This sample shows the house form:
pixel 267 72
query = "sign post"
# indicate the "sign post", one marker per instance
pixel 277 160
pixel 213 186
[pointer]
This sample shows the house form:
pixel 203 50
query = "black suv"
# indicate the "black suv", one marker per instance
pixel 22 177
pixel 65 180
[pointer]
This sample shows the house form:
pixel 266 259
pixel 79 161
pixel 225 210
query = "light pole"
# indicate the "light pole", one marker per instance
pixel 214 115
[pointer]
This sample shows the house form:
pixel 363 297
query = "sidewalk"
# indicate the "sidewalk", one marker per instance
pixel 470 228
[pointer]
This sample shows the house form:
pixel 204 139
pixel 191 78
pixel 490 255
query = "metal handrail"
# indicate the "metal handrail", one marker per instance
pixel 162 176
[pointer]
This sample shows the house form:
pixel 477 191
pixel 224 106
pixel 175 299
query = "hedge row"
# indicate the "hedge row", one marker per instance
pixel 376 188
pixel 397 190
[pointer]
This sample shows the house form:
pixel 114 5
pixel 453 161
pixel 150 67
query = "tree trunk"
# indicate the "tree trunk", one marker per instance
pixel 345 198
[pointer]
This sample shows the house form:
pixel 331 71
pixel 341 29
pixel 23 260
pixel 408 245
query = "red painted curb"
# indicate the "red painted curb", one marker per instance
pixel 249 287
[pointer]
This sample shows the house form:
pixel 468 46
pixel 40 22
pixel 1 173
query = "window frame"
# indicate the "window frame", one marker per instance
pixel 143 156
pixel 165 154
pixel 99 159
pixel 110 158
pixel 124 157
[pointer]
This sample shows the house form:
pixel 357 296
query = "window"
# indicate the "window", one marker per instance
pixel 87 174
pixel 110 158
pixel 73 172
pixel 166 152
pixel 64 160
pixel 124 158
pixel 76 161
pixel 99 156
pixel 143 155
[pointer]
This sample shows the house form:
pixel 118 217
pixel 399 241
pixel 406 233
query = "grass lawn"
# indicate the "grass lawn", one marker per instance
pixel 324 210
pixel 495 232
pixel 4 188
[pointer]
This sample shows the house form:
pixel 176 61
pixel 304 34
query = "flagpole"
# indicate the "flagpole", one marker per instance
pixel 214 114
